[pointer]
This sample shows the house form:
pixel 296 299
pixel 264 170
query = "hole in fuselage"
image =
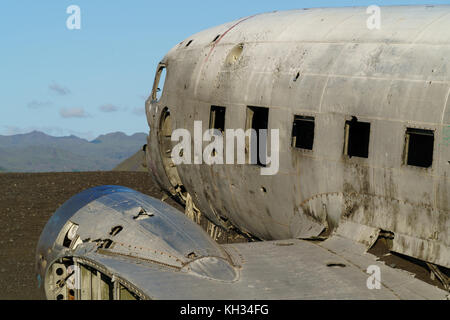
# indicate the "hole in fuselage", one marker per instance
pixel 235 54
pixel 192 255
pixel 59 271
pixel 116 230
pixel 108 244
pixel 336 265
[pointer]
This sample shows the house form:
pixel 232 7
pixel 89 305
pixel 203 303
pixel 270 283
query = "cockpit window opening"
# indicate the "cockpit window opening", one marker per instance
pixel 419 148
pixel 357 138
pixel 160 78
pixel 217 118
pixel 303 132
pixel 189 43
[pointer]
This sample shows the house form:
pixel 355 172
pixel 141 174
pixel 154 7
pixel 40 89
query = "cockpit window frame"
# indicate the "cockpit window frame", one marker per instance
pixel 161 67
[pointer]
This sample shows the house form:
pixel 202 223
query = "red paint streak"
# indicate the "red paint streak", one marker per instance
pixel 224 34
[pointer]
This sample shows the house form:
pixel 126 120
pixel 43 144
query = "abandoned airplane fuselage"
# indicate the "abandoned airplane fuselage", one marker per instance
pixel 364 127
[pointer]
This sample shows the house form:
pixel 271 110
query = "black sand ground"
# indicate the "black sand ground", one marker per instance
pixel 27 201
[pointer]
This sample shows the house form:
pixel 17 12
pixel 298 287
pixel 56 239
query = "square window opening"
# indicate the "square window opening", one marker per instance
pixel 258 119
pixel 217 118
pixel 357 138
pixel 419 147
pixel 303 132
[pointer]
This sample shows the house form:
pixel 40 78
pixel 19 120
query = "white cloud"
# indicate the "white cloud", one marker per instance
pixel 56 88
pixel 73 113
pixel 109 108
pixel 36 104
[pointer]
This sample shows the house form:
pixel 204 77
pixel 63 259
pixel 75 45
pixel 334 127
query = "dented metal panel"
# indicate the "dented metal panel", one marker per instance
pixel 167 256
pixel 125 224
pixel 292 269
pixel 327 64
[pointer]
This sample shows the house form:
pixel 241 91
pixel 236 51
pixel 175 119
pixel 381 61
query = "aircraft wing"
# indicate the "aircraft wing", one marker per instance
pixel 157 253
pixel 294 269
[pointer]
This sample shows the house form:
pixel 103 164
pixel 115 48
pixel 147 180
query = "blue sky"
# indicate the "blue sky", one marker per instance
pixel 95 80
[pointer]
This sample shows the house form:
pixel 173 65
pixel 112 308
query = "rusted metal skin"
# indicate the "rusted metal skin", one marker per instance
pixel 327 64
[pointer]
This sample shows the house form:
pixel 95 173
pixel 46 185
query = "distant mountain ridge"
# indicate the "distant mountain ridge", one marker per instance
pixel 135 163
pixel 39 152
